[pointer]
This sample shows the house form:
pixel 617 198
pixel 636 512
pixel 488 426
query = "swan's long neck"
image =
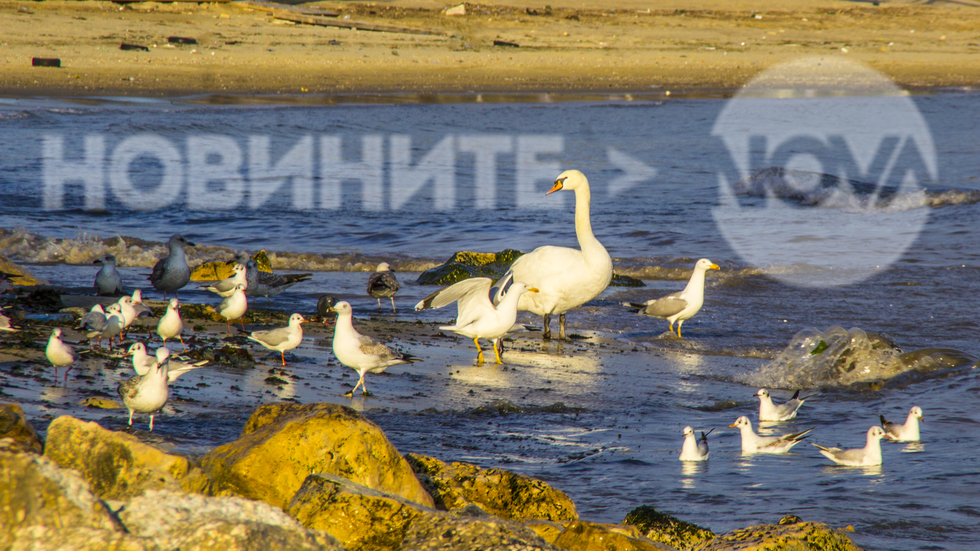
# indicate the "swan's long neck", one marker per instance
pixel 583 222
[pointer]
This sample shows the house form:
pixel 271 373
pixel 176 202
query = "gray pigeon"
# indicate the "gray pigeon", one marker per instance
pixel 382 284
pixel 172 273
pixel 264 284
pixel 107 281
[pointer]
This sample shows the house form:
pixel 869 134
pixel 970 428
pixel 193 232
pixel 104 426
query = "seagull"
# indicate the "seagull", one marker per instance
pixel 115 323
pixel 753 443
pixel 869 455
pixel 5 323
pixel 146 393
pixel 382 284
pixel 107 281
pixel 176 368
pixel 264 284
pixel 142 362
pixel 360 352
pixel 141 309
pixel 282 338
pixel 59 353
pixel 682 305
pixel 768 411
pixel 170 325
pixel 94 323
pixel 226 286
pixel 477 317
pixel 234 307
pixel 909 432
pixel 324 305
pixel 172 273
pixel 566 278
pixel 695 449
pixel 127 310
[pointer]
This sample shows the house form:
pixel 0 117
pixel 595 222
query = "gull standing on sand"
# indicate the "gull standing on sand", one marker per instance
pixel 264 284
pixel 908 432
pixel 382 284
pixel 172 273
pixel 170 324
pixel 360 352
pixel 226 286
pixel 769 411
pixel 233 307
pixel 695 449
pixel 566 278
pixel 59 353
pixel 5 323
pixel 867 456
pixel 146 393
pixel 682 305
pixel 283 338
pixel 753 443
pixel 477 317
pixel 93 324
pixel 108 280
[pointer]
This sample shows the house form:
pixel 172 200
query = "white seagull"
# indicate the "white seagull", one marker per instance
pixel 360 352
pixel 769 411
pixel 695 449
pixel 226 286
pixel 170 324
pixel 867 456
pixel 141 309
pixel 382 284
pixel 59 353
pixel 107 281
pixel 477 317
pixel 909 432
pixel 682 305
pixel 93 323
pixel 566 278
pixel 176 368
pixel 234 306
pixel 127 310
pixel 115 323
pixel 281 339
pixel 146 393
pixel 753 443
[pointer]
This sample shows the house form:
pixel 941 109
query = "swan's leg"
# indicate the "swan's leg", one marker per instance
pixel 547 327
pixel 561 327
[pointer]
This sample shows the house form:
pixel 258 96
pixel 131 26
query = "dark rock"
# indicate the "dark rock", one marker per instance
pixel 664 528
pixel 801 536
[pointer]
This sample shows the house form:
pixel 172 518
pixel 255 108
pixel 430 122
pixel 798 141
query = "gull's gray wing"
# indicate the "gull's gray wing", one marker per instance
pixel 665 307
pixel 271 337
pixel 474 287
pixel 382 284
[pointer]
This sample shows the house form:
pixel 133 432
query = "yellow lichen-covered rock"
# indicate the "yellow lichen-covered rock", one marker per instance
pixel 469 529
pixel 45 507
pixel 793 536
pixel 589 536
pixel 466 264
pixel 15 427
pixel 360 518
pixel 23 275
pixel 283 443
pixel 117 465
pixel 548 530
pixel 496 491
pixel 664 528
pixel 220 269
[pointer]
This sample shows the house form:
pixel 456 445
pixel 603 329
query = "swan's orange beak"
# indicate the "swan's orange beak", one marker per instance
pixel 559 183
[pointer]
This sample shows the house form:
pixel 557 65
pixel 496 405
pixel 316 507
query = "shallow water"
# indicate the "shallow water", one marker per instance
pixel 636 388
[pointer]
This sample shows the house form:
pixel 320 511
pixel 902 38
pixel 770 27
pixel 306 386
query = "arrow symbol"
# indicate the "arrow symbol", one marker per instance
pixel 634 171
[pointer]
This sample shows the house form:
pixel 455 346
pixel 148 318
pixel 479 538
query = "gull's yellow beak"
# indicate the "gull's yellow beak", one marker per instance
pixel 559 183
pixel 533 290
pixel 732 425
pixel 715 267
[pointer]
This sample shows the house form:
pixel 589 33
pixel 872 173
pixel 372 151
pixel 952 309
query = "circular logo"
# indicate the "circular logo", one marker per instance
pixel 827 162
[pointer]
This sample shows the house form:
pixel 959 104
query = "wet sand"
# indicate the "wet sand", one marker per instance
pixel 577 46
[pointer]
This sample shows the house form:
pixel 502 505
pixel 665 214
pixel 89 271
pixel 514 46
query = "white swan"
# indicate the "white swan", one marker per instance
pixel 566 278
pixel 682 305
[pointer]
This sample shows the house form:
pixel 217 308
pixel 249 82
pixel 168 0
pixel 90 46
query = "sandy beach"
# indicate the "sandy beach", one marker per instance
pixel 573 46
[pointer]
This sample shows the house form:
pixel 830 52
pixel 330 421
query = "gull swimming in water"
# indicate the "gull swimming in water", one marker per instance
pixel 695 449
pixel 360 352
pixel 477 317
pixel 108 280
pixel 93 324
pixel 226 286
pixel 264 284
pixel 682 305
pixel 172 273
pixel 566 278
pixel 908 432
pixel 234 307
pixel 281 339
pixel 382 284
pixel 59 353
pixel 170 324
pixel 867 456
pixel 146 393
pixel 769 411
pixel 753 443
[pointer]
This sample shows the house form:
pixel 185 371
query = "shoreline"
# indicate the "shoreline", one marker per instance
pixel 581 48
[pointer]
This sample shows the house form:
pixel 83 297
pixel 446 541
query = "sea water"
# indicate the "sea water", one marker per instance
pixel 424 180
